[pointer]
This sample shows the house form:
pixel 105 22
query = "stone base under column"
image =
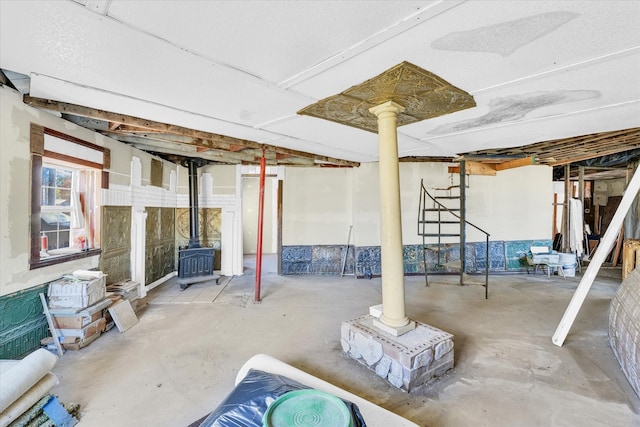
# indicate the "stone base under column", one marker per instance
pixel 407 361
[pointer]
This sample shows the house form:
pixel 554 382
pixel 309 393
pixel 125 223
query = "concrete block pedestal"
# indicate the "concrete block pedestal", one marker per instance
pixel 406 361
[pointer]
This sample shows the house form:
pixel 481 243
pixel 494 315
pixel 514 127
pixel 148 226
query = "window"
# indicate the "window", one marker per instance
pixel 67 174
pixel 55 208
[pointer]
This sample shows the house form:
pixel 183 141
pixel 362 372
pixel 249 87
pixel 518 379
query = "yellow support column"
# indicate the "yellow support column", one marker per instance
pixel 393 319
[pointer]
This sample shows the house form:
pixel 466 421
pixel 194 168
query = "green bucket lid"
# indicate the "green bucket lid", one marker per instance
pixel 307 408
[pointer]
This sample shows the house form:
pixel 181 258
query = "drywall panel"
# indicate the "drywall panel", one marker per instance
pixel 367 200
pixel 317 206
pixel 250 212
pixel 120 168
pixel 224 178
pixel 515 204
pixel 366 205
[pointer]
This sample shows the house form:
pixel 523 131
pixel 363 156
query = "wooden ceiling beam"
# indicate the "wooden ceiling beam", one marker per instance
pixel 209 155
pixel 184 149
pixel 567 150
pixel 574 159
pixel 421 159
pixel 474 168
pixel 212 140
pixel 525 161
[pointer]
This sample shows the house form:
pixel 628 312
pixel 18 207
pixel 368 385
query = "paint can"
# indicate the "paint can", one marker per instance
pixel 568 262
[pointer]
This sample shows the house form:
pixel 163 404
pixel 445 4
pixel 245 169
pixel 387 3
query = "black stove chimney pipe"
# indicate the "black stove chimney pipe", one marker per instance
pixel 193 165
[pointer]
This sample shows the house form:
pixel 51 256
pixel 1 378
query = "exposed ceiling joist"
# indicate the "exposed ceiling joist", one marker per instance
pixel 516 163
pixel 479 165
pixel 565 151
pixel 475 168
pixel 540 80
pixel 151 135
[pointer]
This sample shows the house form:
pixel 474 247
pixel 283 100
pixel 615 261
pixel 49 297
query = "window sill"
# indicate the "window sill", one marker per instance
pixel 45 262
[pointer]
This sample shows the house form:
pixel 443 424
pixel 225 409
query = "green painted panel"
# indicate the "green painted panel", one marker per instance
pixel 22 322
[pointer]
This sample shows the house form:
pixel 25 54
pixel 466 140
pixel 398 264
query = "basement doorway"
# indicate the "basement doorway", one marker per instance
pixel 271 223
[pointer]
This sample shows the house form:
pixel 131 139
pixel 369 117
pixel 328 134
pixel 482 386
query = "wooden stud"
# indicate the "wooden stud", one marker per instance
pixel 525 161
pixel 616 251
pixel 474 168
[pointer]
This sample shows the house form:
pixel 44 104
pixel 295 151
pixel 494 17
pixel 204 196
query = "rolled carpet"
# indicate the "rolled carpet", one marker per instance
pixel 27 400
pixel 23 375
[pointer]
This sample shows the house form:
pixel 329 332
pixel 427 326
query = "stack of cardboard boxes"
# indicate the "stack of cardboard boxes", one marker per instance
pixel 78 306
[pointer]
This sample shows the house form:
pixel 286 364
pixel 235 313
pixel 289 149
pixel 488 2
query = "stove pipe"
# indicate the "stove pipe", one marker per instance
pixel 193 165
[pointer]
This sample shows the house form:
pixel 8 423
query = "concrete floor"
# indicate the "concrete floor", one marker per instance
pixel 181 359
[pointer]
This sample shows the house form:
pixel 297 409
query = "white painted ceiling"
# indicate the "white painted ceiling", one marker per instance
pixel 538 70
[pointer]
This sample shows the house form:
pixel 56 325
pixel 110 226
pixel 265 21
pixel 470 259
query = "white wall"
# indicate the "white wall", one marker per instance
pixel 15 193
pixel 317 206
pixel 224 178
pixel 516 204
pixel 250 208
pixel 320 204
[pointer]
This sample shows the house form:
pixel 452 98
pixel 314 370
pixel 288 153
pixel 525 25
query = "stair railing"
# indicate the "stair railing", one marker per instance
pixel 422 232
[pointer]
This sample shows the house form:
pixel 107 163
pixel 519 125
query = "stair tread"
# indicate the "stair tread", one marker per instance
pixel 439 234
pixel 455 264
pixel 441 210
pixel 422 221
pixel 435 246
pixel 442 247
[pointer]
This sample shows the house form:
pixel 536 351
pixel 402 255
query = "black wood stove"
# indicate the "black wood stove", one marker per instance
pixel 195 263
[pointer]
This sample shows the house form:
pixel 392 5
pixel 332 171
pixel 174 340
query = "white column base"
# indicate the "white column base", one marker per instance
pixel 376 311
pixel 395 331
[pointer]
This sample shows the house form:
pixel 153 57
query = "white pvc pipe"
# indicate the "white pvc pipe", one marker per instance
pixel 602 251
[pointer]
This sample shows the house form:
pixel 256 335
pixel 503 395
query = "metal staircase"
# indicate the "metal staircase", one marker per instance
pixel 441 222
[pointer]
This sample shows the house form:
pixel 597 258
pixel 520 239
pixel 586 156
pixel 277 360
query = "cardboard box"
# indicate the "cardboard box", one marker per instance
pixel 93 328
pixel 71 292
pixel 64 318
pixel 75 343
pixel 75 322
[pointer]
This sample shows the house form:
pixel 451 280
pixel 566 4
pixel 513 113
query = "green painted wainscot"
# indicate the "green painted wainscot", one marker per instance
pixel 22 322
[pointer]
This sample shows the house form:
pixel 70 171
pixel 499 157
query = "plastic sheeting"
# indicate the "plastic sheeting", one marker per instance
pixel 576 226
pixel 624 328
pixel 249 400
